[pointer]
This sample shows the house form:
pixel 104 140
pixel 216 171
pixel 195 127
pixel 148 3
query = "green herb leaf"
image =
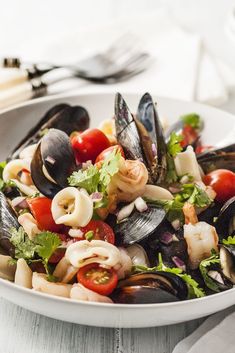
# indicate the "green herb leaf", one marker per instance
pixel 88 179
pixel 193 194
pixel 203 267
pixel 229 241
pixel 89 235
pixel 193 286
pixel 24 247
pixel 173 146
pixel 46 244
pixel 192 119
pixel 110 167
pixel 171 176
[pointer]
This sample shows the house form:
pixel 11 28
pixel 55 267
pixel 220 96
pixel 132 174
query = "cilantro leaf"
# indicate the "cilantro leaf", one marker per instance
pixel 229 241
pixel 46 244
pixel 193 285
pixel 24 247
pixel 193 194
pixel 192 119
pixel 109 167
pixel 87 179
pixel 203 267
pixel 173 146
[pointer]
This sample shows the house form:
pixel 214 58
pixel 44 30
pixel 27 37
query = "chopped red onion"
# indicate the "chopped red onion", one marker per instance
pixel 179 263
pixel 96 196
pixel 174 189
pixel 20 202
pixel 154 149
pixel 50 160
pixel 166 238
pixel 125 211
pixel 140 204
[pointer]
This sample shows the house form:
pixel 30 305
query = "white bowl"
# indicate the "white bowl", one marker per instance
pixel 14 123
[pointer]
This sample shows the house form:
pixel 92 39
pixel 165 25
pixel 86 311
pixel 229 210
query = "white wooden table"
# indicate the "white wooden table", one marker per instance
pixel 20 330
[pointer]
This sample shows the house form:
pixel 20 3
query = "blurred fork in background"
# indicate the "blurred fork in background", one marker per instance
pixel 120 61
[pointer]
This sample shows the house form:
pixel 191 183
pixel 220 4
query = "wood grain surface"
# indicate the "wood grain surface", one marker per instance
pixel 22 331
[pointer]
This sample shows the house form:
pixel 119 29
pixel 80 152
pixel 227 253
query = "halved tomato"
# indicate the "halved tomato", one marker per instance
pixel 97 278
pixel 41 210
pixel 102 231
pixel 108 150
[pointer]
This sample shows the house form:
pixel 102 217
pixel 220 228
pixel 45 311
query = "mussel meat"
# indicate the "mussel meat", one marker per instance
pixel 8 219
pixel 150 287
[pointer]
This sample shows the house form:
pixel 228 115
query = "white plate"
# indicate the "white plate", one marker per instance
pixel 14 123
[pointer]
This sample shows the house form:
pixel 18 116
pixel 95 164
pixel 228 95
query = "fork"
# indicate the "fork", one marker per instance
pixel 119 62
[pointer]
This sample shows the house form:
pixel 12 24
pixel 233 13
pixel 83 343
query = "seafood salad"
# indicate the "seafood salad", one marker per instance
pixel 127 212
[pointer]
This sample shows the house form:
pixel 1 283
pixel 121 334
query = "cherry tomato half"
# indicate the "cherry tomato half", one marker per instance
pixel 89 144
pixel 102 231
pixel 99 279
pixel 108 150
pixel 189 136
pixel 41 210
pixel 223 182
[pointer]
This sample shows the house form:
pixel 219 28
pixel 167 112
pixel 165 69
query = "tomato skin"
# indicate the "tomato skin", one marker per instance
pixel 102 231
pixel 89 144
pixel 223 182
pixel 108 150
pixel 41 210
pixel 189 136
pixel 90 274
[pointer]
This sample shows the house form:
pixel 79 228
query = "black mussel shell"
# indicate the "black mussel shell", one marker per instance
pixel 43 184
pixel 138 226
pixel 62 117
pixel 57 156
pixel 227 261
pixel 8 219
pixel 220 158
pixel 210 213
pixel 142 295
pixel 126 130
pixel 154 148
pixel 225 219
pixel 176 247
pixel 150 287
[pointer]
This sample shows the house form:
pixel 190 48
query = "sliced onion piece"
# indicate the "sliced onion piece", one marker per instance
pixel 76 233
pixel 179 263
pixel 140 204
pixel 166 238
pixel 154 192
pixel 125 211
pixel 96 196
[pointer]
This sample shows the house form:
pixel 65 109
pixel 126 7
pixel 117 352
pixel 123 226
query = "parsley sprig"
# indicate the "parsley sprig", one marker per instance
pixel 192 119
pixel 203 267
pixel 229 241
pixel 173 148
pixel 95 179
pixel 43 245
pixel 193 285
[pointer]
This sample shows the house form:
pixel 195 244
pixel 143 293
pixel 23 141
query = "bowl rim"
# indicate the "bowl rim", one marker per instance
pixel 50 297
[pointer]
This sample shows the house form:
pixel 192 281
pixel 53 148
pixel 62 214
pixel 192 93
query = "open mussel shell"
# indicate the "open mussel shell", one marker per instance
pixel 219 158
pixel 138 226
pixel 57 155
pixel 225 222
pixel 43 184
pixel 150 287
pixel 54 156
pixel 8 220
pixel 126 130
pixel 154 141
pixel 227 261
pixel 62 117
